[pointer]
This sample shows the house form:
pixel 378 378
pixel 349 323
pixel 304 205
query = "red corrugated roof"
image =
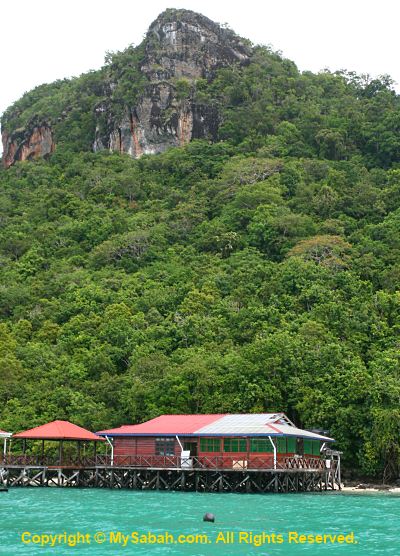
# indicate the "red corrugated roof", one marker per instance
pixel 167 424
pixel 58 430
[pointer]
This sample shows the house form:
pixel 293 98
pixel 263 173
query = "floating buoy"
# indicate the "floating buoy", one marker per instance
pixel 209 517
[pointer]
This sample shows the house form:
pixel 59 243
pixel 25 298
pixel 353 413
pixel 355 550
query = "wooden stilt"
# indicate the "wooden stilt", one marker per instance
pixel 201 480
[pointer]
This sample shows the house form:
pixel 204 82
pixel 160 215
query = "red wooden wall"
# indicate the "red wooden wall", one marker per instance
pixel 145 446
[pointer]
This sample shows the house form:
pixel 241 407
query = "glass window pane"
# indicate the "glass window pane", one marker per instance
pixel 165 446
pixel 291 445
pixel 316 447
pixel 261 445
pixel 210 444
pixel 281 445
pixel 235 445
pixel 308 449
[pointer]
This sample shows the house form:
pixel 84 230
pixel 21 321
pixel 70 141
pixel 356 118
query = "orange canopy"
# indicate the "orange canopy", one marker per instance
pixel 58 430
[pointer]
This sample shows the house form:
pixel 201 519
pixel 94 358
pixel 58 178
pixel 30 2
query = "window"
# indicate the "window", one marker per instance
pixel 281 445
pixel 165 446
pixel 291 445
pixel 312 447
pixel 316 447
pixel 262 445
pixel 210 444
pixel 235 445
pixel 308 447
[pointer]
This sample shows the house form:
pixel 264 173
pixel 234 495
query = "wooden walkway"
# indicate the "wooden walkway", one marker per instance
pixel 291 475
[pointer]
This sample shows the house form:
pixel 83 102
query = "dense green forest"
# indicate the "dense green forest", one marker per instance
pixel 256 273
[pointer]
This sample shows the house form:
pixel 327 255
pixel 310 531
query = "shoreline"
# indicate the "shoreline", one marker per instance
pixel 371 488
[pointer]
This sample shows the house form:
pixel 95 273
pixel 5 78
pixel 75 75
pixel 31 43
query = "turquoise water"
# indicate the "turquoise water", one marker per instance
pixel 374 519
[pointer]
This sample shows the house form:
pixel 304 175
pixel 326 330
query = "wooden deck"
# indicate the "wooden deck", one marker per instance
pixel 203 474
pixel 257 463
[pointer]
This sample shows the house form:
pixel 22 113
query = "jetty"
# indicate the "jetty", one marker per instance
pixel 209 453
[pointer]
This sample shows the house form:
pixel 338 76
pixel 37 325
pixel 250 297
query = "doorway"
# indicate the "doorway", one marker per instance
pixel 192 447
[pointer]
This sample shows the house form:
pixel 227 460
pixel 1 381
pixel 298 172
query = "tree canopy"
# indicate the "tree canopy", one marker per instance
pixel 257 273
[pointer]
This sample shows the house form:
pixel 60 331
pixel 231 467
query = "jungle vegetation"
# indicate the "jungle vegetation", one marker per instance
pixel 257 273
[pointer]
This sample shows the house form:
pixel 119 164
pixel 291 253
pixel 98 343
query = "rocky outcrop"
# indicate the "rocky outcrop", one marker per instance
pixel 180 48
pixel 185 44
pixel 27 144
pixel 158 122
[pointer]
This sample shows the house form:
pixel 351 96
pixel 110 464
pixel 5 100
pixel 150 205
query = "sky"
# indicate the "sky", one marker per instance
pixel 44 40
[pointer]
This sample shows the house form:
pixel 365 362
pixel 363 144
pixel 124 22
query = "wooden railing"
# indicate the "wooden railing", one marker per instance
pixel 238 463
pixel 304 463
pixel 25 460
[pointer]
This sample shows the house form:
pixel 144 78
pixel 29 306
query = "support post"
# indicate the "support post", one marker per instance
pixel 112 450
pixel 179 442
pixel 274 447
pixel 179 461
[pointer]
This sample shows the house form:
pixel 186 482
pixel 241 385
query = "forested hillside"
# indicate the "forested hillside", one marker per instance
pixel 256 272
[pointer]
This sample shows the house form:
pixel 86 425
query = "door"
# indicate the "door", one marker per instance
pixel 192 446
pixel 300 447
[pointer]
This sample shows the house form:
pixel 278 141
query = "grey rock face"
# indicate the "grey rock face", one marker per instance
pixel 180 45
pixel 184 44
pixel 151 128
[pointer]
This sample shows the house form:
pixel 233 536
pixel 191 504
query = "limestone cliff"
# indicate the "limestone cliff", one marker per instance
pixel 180 48
pixel 27 144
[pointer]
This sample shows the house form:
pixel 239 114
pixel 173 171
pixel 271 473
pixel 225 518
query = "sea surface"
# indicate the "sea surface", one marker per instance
pixel 104 518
